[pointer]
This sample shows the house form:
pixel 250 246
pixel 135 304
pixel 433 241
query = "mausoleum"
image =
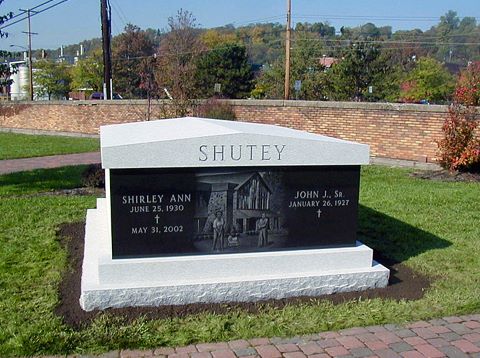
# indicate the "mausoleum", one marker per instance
pixel 204 210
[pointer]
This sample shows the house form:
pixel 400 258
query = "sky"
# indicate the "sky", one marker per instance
pixel 77 20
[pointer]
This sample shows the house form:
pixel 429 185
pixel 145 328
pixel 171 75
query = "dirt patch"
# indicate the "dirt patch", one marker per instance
pixel 445 175
pixel 404 284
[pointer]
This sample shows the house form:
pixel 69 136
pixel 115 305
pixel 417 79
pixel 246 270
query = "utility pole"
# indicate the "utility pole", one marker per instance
pixel 287 49
pixel 30 62
pixel 106 14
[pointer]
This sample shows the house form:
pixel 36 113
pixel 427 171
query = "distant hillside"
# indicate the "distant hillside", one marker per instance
pixel 452 40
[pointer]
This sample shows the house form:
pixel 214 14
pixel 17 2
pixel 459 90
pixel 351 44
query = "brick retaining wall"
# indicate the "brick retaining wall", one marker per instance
pixel 392 130
pixel 402 131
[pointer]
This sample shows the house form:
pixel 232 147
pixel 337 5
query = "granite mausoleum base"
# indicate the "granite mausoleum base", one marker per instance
pixel 242 277
pixel 204 211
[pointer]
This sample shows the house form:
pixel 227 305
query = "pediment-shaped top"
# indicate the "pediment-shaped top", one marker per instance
pixel 192 127
pixel 195 142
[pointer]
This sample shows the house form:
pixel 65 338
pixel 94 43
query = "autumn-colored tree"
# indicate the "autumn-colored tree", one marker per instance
pixel 131 51
pixel 467 91
pixel 459 149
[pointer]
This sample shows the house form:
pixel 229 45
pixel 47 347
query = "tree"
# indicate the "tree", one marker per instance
pixel 131 51
pixel 368 30
pixel 386 82
pixel 453 39
pixel 320 28
pixel 467 32
pixel 305 67
pixel 459 148
pixel 407 49
pixel 467 24
pixel 88 72
pixel 148 83
pixel 448 22
pixel 177 59
pixel 5 69
pixel 53 79
pixel 3 19
pixel 429 80
pixel 227 65
pixel 214 38
pixel 467 91
pixel 270 82
pixel 362 65
pixel 263 42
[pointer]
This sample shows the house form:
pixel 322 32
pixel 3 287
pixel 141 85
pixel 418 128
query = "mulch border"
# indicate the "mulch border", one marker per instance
pixel 404 284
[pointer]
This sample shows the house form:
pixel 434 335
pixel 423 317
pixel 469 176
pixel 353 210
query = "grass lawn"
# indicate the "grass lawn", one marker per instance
pixel 433 227
pixel 14 145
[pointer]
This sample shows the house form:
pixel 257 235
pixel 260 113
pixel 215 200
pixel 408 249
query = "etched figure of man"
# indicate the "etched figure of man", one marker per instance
pixel 218 232
pixel 262 227
pixel 251 195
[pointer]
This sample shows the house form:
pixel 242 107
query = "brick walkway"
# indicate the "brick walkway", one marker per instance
pixel 454 337
pixel 54 161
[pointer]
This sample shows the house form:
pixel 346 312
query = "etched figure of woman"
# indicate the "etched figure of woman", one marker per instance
pixel 218 232
pixel 262 227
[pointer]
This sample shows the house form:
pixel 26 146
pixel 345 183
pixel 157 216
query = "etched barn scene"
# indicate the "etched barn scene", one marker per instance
pixel 239 211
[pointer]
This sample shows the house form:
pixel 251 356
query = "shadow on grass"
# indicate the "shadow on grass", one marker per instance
pixel 393 239
pixel 41 180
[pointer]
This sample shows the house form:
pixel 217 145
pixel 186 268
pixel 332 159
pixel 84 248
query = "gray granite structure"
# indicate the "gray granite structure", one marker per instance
pixel 202 210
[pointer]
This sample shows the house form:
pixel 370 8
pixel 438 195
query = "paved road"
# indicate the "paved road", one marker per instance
pixel 454 337
pixel 54 161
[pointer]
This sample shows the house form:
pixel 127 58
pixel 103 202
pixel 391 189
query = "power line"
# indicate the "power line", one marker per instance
pixel 367 17
pixel 34 14
pixel 30 62
pixel 347 41
pixel 181 53
pixel 117 29
pixel 120 15
pixel 327 46
pixel 33 8
pixel 407 35
pixel 120 11
pixel 275 17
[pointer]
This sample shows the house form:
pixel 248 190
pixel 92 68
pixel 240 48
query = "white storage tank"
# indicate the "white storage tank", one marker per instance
pixel 19 87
